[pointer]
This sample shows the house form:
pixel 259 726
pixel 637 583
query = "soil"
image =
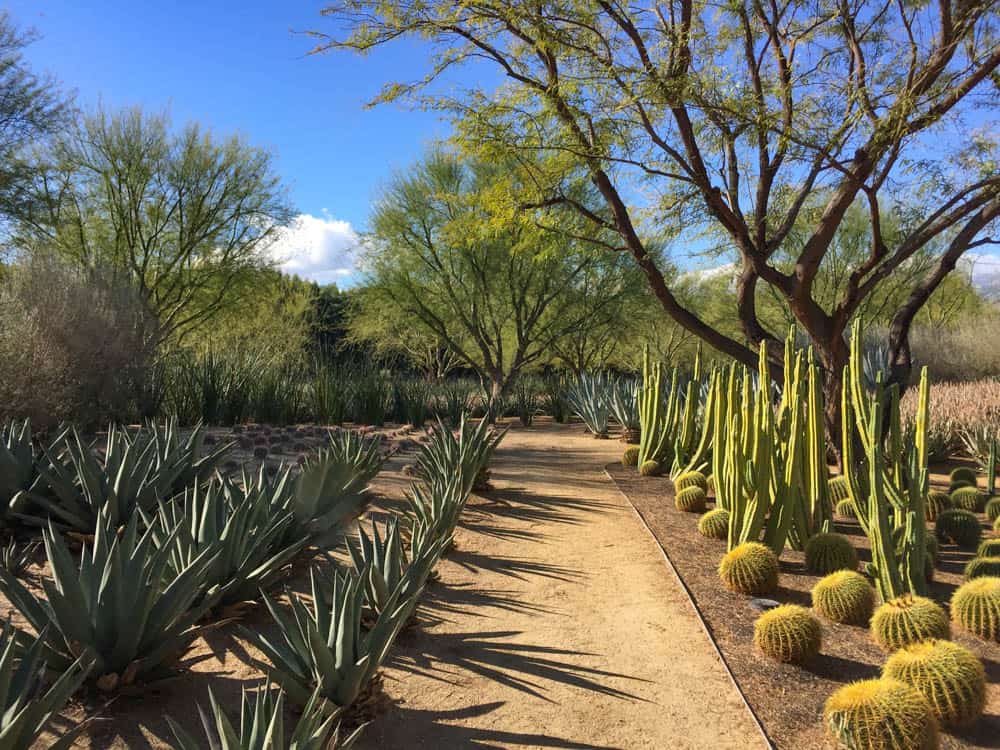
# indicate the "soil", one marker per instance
pixel 553 623
pixel 789 699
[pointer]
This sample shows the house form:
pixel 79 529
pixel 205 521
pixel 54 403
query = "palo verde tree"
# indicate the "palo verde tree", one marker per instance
pixel 496 289
pixel 731 119
pixel 186 218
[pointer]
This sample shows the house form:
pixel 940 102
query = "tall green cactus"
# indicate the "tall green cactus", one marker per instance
pixel 668 423
pixel 887 484
pixel 991 471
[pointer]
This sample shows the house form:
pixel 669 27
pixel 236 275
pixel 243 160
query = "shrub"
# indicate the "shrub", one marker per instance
pixel 937 502
pixel 788 633
pixel 845 509
pixel 691 479
pixel 74 345
pixel 950 678
pixel 750 568
pixel 975 607
pixel 690 500
pixel 993 509
pixel 963 474
pixel 881 715
pixel 967 498
pixel 827 552
pixel 650 469
pixel 908 619
pixel 978 567
pixel 845 597
pixel 714 524
pixel 631 456
pixel 959 526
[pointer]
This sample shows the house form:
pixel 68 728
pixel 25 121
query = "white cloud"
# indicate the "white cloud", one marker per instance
pixel 318 248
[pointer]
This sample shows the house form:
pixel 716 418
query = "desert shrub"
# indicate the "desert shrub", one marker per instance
pixel 74 345
pixel 956 353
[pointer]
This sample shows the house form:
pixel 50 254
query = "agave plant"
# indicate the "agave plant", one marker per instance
pixel 437 507
pixel 178 463
pixel 589 398
pixel 262 726
pixel 323 648
pixel 464 454
pixel 554 400
pixel 123 604
pixel 17 463
pixel 624 404
pixel 332 486
pixel 382 562
pixel 15 558
pixel 243 527
pixel 27 703
pixel 455 400
pixel 525 401
pixel 979 440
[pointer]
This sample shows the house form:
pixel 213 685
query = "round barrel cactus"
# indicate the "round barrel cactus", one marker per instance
pixel 630 457
pixel 968 498
pixel 827 552
pixel 690 500
pixel 788 633
pixel 845 597
pixel 908 619
pixel 975 607
pixel 714 524
pixel 993 509
pixel 949 676
pixel 937 502
pixel 960 527
pixel 963 474
pixel 750 568
pixel 978 567
pixel 845 508
pixel 650 468
pixel 881 714
pixel 691 479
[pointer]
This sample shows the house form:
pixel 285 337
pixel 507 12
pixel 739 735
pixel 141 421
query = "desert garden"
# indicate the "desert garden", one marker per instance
pixel 654 403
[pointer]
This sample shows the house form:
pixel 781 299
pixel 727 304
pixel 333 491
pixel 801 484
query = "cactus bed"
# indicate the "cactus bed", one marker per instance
pixel 788 699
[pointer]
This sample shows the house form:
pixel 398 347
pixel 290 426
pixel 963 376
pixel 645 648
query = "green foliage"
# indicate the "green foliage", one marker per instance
pixel 630 457
pixel 881 715
pixel 845 597
pixel 714 524
pixel 964 474
pixel 17 463
pixel 845 509
pixel 937 502
pixel 908 619
pixel 262 726
pixel 975 607
pixel 949 676
pixel 827 552
pixel 978 567
pixel 455 399
pixel 650 468
pixel 691 479
pixel 690 500
pixel 959 526
pixel 27 704
pixel 124 604
pixel 325 649
pixel 788 633
pixel 15 558
pixel 464 454
pixel 524 398
pixel 968 498
pixel 750 568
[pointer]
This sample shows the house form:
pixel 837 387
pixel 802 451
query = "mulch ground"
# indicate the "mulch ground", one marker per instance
pixel 788 699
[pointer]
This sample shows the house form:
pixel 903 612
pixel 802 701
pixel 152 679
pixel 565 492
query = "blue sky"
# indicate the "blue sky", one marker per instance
pixel 241 67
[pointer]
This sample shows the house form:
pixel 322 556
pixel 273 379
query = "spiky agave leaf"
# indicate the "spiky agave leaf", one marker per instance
pixel 123 604
pixel 439 506
pixel 261 726
pixel 242 526
pixel 463 454
pixel 27 703
pixel 17 462
pixel 322 647
pixel 178 462
pixel 590 399
pixel 15 558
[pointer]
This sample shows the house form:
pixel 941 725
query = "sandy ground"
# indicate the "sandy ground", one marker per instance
pixel 560 624
pixel 556 623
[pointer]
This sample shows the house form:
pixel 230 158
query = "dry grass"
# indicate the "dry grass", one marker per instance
pixel 959 413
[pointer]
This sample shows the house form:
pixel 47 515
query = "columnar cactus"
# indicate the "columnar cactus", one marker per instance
pixel 881 714
pixel 788 633
pixel 827 552
pixel 750 568
pixel 845 597
pixel 975 607
pixel 960 527
pixel 690 500
pixel 714 524
pixel 908 619
pixel 949 676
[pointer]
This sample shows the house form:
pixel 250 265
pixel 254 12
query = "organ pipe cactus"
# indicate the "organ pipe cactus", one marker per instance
pixel 668 420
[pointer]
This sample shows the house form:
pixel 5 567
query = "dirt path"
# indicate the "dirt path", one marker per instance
pixel 558 623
